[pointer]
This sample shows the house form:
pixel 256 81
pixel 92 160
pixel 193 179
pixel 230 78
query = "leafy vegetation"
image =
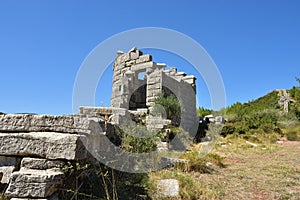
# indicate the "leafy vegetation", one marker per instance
pixel 171 106
pixel 201 111
pixel 264 115
pixel 137 139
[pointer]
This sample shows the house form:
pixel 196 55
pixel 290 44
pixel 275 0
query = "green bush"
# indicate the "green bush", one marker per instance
pixel 295 93
pixel 292 136
pixel 137 139
pixel 227 130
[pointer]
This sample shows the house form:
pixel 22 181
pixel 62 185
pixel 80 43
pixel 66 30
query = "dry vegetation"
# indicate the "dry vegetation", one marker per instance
pixel 268 171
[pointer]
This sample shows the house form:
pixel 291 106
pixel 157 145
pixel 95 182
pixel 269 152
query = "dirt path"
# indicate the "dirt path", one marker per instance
pixel 257 173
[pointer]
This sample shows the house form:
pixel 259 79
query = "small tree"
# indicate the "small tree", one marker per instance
pixel 171 106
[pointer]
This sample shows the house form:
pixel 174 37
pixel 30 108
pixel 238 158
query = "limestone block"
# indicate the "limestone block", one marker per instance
pixel 129 63
pixel 123 58
pixel 39 163
pixel 119 52
pixel 141 66
pixel 38 123
pixel 180 74
pixel 144 58
pixel 7 166
pixel 49 145
pixel 168 187
pixel 134 55
pixel 125 69
pixel 53 197
pixel 5 172
pixel 189 79
pixel 34 183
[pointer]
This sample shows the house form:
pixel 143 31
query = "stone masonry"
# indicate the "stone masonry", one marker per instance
pixel 32 148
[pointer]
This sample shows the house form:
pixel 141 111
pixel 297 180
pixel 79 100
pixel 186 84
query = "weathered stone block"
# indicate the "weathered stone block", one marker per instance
pixel 144 58
pixel 168 187
pixel 134 55
pixel 5 172
pixel 34 183
pixel 123 58
pixel 129 63
pixel 49 145
pixel 7 166
pixel 53 197
pixel 40 164
pixel 43 123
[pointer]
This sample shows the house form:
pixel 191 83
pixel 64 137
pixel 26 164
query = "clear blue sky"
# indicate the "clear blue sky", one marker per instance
pixel 254 43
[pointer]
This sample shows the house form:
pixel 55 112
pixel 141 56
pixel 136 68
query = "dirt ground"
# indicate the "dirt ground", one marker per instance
pixel 260 173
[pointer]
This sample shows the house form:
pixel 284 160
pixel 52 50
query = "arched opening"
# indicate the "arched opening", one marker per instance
pixel 138 98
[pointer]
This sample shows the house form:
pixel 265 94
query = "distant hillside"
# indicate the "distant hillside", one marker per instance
pixel 265 114
pixel 269 101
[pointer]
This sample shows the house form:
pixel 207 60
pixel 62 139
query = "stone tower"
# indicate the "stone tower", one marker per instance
pixel 137 80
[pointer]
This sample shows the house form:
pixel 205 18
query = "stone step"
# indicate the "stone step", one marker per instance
pixel 28 183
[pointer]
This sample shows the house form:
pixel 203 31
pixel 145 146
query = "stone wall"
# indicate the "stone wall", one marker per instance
pixel 32 148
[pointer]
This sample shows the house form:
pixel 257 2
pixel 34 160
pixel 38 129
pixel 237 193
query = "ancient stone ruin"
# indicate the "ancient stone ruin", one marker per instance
pixel 137 80
pixel 33 147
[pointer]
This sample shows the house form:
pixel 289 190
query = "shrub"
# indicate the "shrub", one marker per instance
pixel 199 164
pixel 195 163
pixel 227 130
pixel 137 139
pixel 292 136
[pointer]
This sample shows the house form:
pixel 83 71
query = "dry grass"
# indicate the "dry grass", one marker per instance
pixel 266 172
pixel 271 172
pixel 2 197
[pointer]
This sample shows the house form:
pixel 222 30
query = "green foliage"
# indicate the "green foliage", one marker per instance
pixel 260 119
pixel 171 106
pixel 292 136
pixel 137 139
pixel 227 130
pixel 201 111
pixel 263 115
pixel 295 93
pixel 267 102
